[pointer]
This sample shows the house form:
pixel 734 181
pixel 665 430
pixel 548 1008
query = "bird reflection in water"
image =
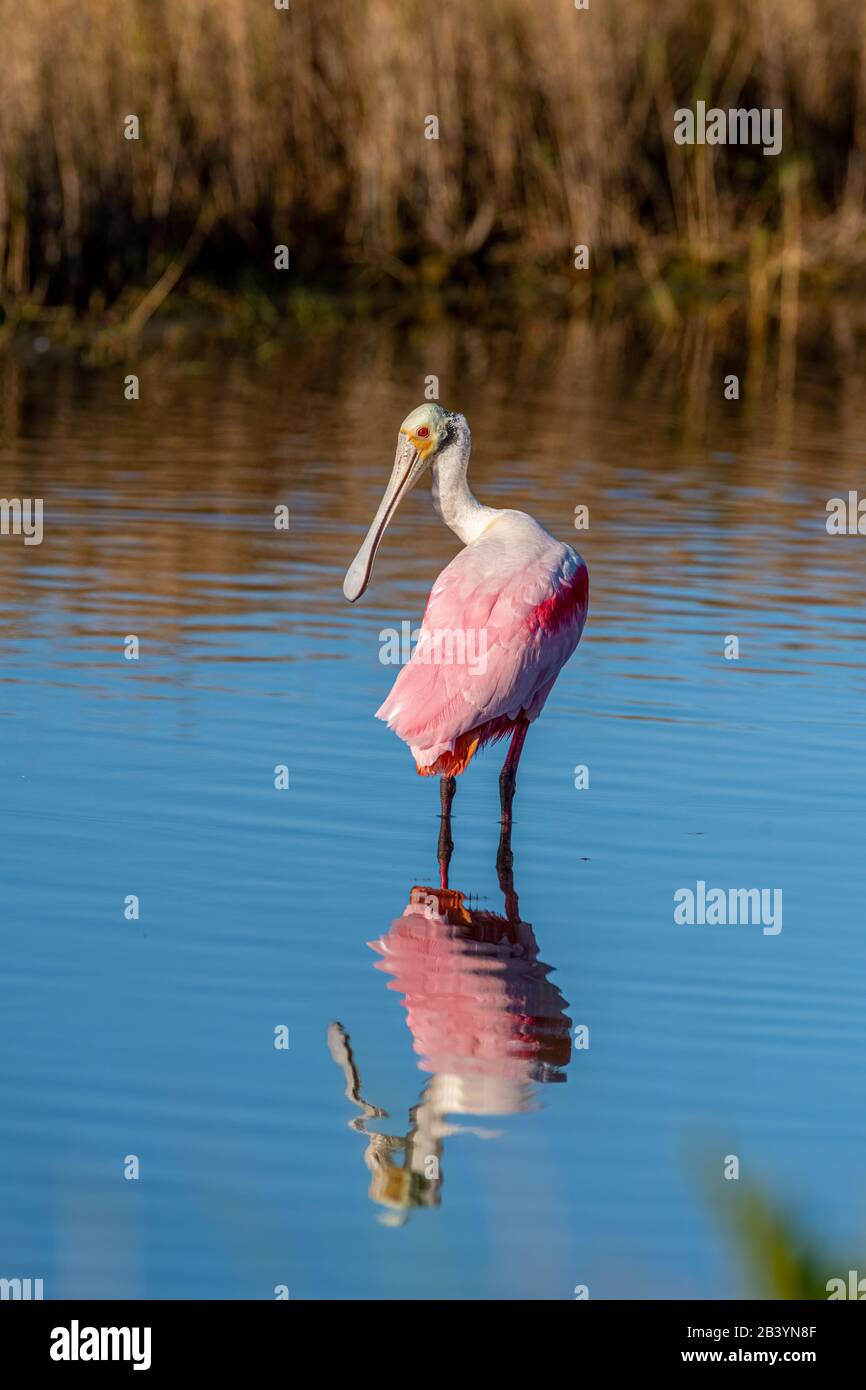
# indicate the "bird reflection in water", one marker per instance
pixel 487 1024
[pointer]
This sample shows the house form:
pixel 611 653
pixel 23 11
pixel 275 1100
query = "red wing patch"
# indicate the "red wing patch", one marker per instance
pixel 565 606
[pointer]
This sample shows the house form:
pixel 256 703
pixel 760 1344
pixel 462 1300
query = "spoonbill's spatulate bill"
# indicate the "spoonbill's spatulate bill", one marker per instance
pixel 501 621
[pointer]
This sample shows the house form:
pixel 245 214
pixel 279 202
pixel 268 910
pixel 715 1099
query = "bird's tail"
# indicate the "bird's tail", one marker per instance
pixel 456 759
pixel 452 763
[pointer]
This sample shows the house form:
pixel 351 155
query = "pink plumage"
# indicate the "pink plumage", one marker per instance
pixel 480 1005
pixel 514 603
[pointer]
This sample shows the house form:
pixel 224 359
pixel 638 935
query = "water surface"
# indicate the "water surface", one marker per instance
pixel 556 1164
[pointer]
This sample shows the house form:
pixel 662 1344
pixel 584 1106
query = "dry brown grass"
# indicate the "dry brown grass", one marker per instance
pixel 306 127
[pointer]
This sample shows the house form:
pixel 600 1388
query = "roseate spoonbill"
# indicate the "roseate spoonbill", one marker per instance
pixel 501 621
pixel 488 1026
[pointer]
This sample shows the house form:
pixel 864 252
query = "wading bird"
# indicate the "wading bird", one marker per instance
pixel 488 1026
pixel 501 621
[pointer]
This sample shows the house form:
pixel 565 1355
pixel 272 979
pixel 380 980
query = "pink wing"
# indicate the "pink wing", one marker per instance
pixel 501 621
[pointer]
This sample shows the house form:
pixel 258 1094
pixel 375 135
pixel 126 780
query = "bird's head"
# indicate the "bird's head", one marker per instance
pixel 426 429
pixel 422 435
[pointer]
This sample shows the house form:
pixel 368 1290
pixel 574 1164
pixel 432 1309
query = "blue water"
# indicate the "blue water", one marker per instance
pixel 155 777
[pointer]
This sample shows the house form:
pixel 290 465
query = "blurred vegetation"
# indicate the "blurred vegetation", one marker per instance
pixel 260 127
pixel 780 1259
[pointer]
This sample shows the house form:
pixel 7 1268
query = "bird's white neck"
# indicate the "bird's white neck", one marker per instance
pixel 452 497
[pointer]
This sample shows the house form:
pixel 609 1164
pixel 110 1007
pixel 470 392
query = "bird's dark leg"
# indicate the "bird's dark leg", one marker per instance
pixel 507 786
pixel 505 870
pixel 447 788
pixel 508 775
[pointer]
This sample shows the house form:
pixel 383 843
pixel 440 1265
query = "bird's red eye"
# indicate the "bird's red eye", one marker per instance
pixel 423 432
